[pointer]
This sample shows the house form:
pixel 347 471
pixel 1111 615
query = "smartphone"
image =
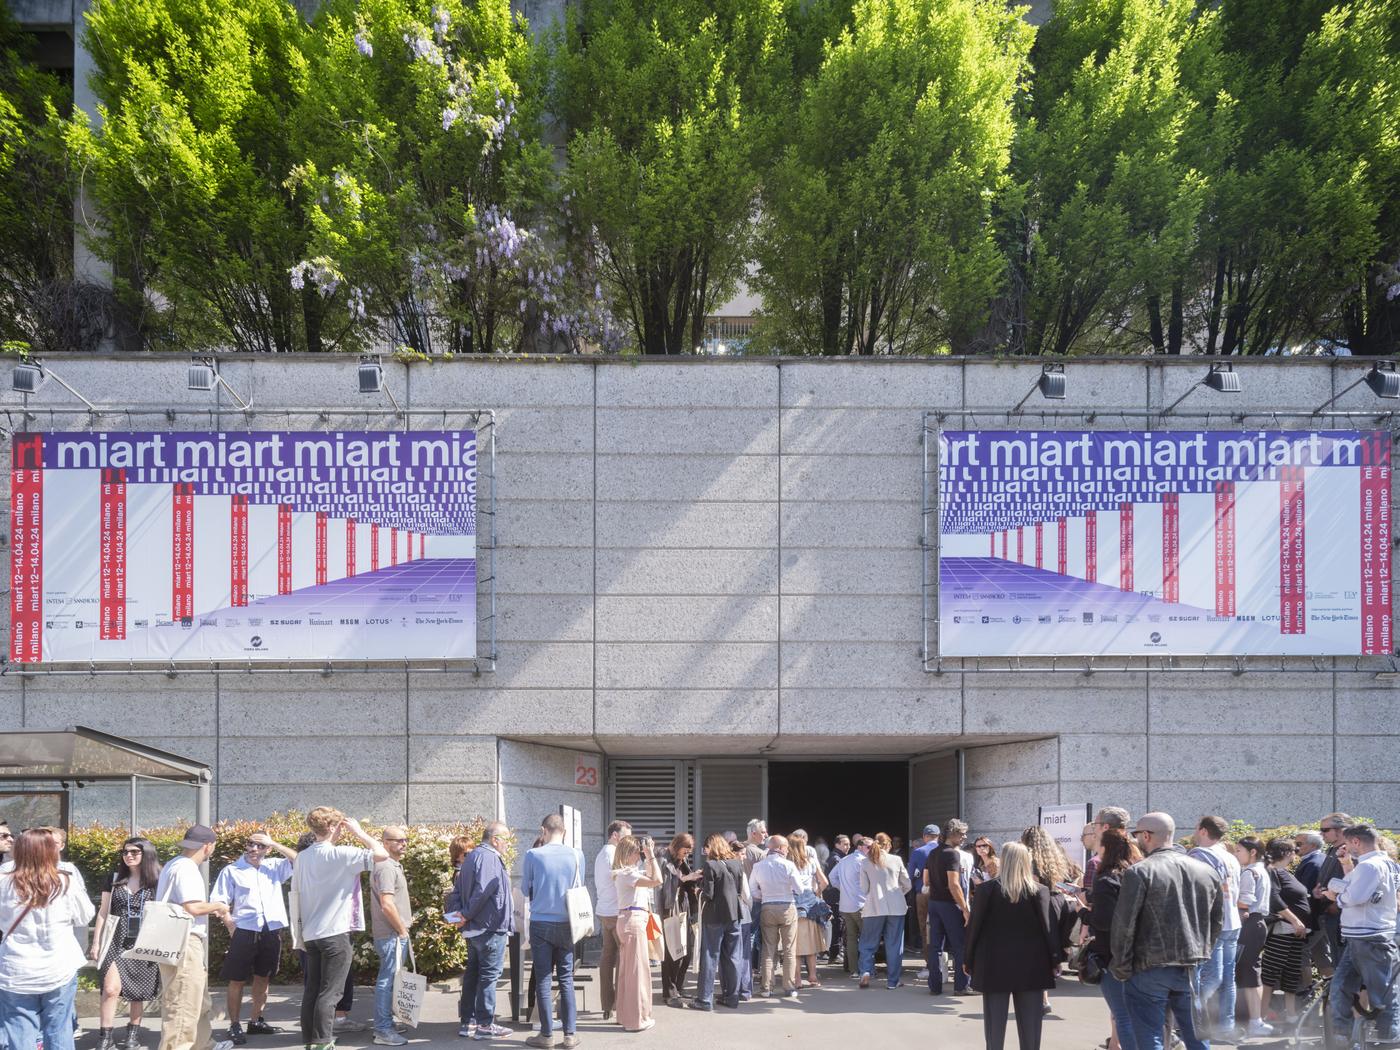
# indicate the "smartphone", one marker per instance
pixel 1336 885
pixel 454 917
pixel 1069 887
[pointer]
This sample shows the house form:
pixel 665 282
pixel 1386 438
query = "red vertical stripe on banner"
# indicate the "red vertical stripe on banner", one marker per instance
pixel 422 545
pixel 320 547
pixel 182 554
pixel 111 555
pixel 1171 547
pixel 238 551
pixel 374 546
pixel 1064 547
pixel 1040 544
pixel 1125 546
pixel 1003 546
pixel 350 529
pixel 1091 546
pixel 393 546
pixel 1292 577
pixel 284 549
pixel 1020 544
pixel 992 544
pixel 1224 548
pixel 1376 625
pixel 27 549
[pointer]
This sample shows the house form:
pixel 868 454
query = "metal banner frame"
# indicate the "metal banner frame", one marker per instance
pixel 328 418
pixel 1384 667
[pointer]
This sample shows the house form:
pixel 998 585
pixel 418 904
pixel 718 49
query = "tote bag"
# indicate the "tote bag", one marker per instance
pixel 165 928
pixel 580 908
pixel 410 989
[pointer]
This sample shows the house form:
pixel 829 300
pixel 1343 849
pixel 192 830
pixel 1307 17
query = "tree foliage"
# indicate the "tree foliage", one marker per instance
pixel 666 105
pixel 877 214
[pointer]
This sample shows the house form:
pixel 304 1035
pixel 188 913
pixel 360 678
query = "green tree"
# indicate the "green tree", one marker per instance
pixel 668 106
pixel 1104 244
pixel 188 164
pixel 40 303
pixel 877 216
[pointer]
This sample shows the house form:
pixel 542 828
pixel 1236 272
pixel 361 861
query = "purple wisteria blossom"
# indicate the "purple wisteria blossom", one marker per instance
pixel 363 45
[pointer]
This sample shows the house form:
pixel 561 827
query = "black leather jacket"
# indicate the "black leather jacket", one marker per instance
pixel 1168 913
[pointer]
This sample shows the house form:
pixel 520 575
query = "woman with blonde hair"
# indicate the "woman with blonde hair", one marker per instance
pixel 39 956
pixel 811 935
pixel 634 886
pixel 1013 949
pixel 721 895
pixel 884 881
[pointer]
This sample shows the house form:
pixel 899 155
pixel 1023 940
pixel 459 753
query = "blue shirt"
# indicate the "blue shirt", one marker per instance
pixel 481 892
pixel 549 871
pixel 918 860
pixel 254 893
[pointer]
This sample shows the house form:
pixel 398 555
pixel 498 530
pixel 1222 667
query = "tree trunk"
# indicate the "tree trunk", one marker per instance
pixel 1217 294
pixel 1176 327
pixel 1154 321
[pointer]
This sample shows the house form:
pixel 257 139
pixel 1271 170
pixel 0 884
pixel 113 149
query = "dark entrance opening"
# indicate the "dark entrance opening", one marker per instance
pixel 830 798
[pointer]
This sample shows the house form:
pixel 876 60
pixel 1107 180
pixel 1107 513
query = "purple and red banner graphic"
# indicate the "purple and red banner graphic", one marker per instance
pixel 192 547
pixel 1192 543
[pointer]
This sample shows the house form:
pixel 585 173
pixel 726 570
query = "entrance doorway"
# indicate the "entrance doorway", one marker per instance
pixel 830 798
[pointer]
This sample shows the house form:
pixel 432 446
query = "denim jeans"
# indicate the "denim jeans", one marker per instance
pixel 1217 974
pixel 946 933
pixel 1368 961
pixel 891 927
pixel 24 1019
pixel 720 948
pixel 391 951
pixel 1115 994
pixel 552 952
pixel 485 959
pixel 746 947
pixel 1150 994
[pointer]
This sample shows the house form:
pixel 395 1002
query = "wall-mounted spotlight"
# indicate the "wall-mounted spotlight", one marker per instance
pixel 371 375
pixel 1384 380
pixel 1223 378
pixel 28 376
pixel 1051 383
pixel 204 375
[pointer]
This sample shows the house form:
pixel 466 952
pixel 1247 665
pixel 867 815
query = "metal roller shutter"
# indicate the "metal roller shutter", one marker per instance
pixel 651 796
pixel 730 795
pixel 933 790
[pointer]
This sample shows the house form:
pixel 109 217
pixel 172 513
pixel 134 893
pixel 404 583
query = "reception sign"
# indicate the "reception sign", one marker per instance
pixel 1095 543
pixel 243 546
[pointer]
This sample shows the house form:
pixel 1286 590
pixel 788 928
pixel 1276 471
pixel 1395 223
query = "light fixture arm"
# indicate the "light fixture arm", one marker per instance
pixel 1338 394
pixel 64 383
pixel 1017 409
pixel 244 406
pixel 398 409
pixel 1189 391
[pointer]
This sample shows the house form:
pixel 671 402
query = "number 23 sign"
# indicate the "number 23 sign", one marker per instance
pixel 586 771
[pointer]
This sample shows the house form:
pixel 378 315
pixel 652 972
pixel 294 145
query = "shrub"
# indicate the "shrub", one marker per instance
pixel 438 948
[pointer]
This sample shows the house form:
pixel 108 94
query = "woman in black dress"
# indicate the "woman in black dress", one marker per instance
pixel 1013 949
pixel 680 895
pixel 1285 962
pixel 130 885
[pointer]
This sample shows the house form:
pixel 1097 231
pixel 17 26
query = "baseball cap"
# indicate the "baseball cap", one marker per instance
pixel 932 829
pixel 196 836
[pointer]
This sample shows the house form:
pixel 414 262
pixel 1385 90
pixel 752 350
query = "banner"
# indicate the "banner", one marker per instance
pixel 1188 543
pixel 192 547
pixel 1065 824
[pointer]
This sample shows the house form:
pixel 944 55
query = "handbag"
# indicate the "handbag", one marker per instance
pixel 1090 969
pixel 653 926
pixel 104 943
pixel 676 928
pixel 165 928
pixel 580 908
pixel 410 989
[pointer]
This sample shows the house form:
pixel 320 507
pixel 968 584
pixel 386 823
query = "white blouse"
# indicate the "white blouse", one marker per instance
pixel 42 953
pixel 629 894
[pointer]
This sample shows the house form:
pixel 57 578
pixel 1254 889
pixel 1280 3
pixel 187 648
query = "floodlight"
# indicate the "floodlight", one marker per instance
pixel 201 377
pixel 1053 382
pixel 1223 379
pixel 27 378
pixel 371 376
pixel 1384 381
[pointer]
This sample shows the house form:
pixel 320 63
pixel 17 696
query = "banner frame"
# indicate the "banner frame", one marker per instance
pixel 481 420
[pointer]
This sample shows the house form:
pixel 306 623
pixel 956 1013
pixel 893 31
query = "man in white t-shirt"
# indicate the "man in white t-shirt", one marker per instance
pixel 605 889
pixel 1217 974
pixel 185 1008
pixel 325 882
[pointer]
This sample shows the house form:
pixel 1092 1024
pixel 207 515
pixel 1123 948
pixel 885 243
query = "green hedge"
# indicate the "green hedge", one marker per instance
pixel 438 948
pixel 1239 829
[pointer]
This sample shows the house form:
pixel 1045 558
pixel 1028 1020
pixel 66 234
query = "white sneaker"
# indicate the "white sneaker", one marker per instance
pixel 1259 1027
pixel 224 1044
pixel 923 974
pixel 492 1031
pixel 389 1038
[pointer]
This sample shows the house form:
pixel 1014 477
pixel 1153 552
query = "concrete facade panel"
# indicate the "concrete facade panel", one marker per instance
pixel 837 479
pixel 544 617
pixel 380 803
pixel 650 618
pixel 544 570
pixel 864 618
pixel 711 714
pixel 909 713
pixel 1105 386
pixel 1103 756
pixel 1372 801
pixel 450 759
pixel 122 706
pixel 442 703
pixel 452 803
pixel 1007 703
pixel 886 384
pixel 676 665
pixel 330 760
pixel 1368 759
pixel 692 386
pixel 709 572
pixel 557 428
pixel 1012 765
pixel 1261 804
pixel 686 478
pixel 693 526
pixel 1237 757
pixel 873 525
pixel 709 431
pixel 851 571
pixel 544 475
pixel 1192 702
pixel 532 765
pixel 372 704
pixel 855 665
pixel 851 431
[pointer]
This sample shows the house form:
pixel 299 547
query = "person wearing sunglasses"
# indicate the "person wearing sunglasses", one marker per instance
pixel 7 841
pixel 130 885
pixel 252 888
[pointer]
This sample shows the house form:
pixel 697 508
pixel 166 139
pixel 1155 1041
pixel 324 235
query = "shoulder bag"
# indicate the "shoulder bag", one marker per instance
pixel 580 907
pixel 410 989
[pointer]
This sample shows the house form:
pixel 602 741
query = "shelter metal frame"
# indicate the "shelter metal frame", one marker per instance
pixel 1384 667
pixel 482 420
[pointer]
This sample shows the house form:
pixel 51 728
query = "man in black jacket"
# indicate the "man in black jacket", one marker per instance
pixel 1331 827
pixel 1165 924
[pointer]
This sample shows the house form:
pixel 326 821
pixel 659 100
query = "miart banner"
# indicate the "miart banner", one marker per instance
pixel 1098 543
pixel 243 546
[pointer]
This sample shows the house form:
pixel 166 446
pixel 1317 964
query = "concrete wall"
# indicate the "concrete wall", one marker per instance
pixel 723 558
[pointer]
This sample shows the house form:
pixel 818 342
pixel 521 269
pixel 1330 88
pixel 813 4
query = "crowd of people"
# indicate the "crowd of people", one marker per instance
pixel 1185 943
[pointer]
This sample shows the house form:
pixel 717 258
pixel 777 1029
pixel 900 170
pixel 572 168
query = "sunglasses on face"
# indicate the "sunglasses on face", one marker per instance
pixel 389 840
pixel 131 852
pixel 253 845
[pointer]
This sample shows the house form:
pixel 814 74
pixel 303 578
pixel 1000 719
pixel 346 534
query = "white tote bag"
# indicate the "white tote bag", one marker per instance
pixel 410 989
pixel 165 928
pixel 676 929
pixel 580 907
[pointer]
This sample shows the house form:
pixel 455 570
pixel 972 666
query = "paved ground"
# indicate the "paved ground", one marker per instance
pixel 904 1016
